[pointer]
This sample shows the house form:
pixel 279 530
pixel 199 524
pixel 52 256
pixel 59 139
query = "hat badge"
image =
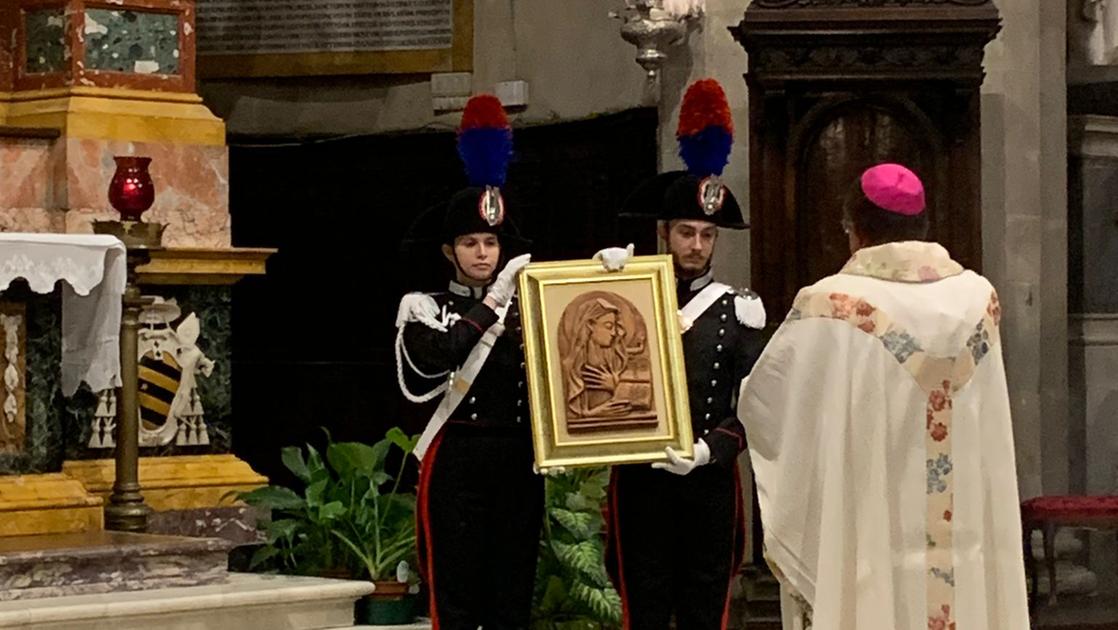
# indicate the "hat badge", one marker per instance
pixel 711 194
pixel 491 206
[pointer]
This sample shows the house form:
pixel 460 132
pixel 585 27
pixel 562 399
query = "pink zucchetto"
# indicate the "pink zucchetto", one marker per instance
pixel 894 188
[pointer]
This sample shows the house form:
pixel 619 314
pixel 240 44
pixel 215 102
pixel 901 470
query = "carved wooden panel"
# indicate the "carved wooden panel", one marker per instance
pixel 13 372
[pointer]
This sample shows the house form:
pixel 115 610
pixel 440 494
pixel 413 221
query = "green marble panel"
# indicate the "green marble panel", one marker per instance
pixel 59 427
pixel 138 42
pixel 46 40
pixel 44 446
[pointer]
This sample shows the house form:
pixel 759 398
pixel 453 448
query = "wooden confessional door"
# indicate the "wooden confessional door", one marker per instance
pixel 835 87
pixel 832 147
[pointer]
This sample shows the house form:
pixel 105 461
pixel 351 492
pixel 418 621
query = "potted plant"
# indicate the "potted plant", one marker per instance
pixel 351 520
pixel 573 591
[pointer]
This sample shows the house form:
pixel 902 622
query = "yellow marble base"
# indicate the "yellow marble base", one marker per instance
pixel 181 482
pixel 47 504
pixel 115 114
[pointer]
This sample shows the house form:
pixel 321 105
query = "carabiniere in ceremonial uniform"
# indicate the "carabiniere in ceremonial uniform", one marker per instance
pixel 676 530
pixel 480 503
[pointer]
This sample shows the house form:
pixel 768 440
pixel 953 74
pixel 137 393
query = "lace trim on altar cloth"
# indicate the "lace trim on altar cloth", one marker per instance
pixel 93 271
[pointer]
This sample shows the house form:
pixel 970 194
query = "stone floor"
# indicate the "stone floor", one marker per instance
pixel 1079 613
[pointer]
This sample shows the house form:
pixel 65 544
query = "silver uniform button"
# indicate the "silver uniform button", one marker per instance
pixel 724 302
pixel 718 348
pixel 717 365
pixel 714 382
pixel 706 431
pixel 722 317
pixel 518 418
pixel 520 384
pixel 473 416
pixel 519 403
pixel 707 417
pixel 721 331
pixel 472 400
pixel 709 400
pixel 522 365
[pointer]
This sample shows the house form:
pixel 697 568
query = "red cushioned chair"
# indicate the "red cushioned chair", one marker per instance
pixel 1050 513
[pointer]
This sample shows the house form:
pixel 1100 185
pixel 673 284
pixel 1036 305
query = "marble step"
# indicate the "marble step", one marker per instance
pixel 245 601
pixel 104 562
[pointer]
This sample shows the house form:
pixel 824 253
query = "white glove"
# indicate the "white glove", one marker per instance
pixel 504 286
pixel 679 466
pixel 550 472
pixel 614 258
pixel 419 307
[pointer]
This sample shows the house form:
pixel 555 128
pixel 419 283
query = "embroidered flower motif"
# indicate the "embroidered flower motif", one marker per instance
pixel 938 469
pixel 857 312
pixel 994 310
pixel 931 543
pixel 939 432
pixel 841 306
pixel 938 400
pixel 942 621
pixel 979 342
pixel 947 576
pixel 947 515
pixel 927 273
pixel 900 344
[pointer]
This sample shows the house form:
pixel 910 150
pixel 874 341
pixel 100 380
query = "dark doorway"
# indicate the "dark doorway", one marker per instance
pixel 313 340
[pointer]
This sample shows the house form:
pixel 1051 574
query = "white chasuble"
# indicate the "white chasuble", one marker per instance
pixel 879 428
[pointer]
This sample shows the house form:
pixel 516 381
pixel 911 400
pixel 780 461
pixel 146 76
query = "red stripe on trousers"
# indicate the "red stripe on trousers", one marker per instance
pixel 615 532
pixel 735 561
pixel 423 516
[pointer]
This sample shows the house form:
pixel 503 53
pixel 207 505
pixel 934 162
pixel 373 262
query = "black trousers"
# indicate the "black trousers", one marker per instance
pixel 480 512
pixel 675 543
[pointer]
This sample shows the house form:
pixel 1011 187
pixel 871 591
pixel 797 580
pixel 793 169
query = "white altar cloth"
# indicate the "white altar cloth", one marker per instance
pixel 94 272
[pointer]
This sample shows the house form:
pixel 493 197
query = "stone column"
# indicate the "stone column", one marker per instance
pixel 1093 242
pixel 711 52
pixel 1025 228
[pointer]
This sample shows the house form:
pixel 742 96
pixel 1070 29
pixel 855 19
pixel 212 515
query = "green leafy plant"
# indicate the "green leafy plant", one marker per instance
pixel 351 518
pixel 573 591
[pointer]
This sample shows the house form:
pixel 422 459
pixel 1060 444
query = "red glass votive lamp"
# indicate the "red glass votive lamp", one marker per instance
pixel 131 191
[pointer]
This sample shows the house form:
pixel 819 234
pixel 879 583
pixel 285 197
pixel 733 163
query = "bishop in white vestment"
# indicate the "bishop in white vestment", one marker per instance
pixel 879 427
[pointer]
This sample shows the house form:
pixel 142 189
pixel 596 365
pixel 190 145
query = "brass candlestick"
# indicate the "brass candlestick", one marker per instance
pixel 131 194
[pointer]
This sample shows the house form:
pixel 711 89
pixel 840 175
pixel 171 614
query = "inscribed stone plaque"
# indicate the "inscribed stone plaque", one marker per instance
pixel 294 37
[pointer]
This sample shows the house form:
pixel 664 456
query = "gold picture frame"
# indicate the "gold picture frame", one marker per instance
pixel 604 357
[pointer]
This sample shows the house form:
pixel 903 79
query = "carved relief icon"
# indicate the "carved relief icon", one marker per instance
pixel 607 377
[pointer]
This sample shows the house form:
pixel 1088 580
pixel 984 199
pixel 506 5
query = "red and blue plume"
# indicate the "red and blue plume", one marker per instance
pixel 485 141
pixel 706 130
